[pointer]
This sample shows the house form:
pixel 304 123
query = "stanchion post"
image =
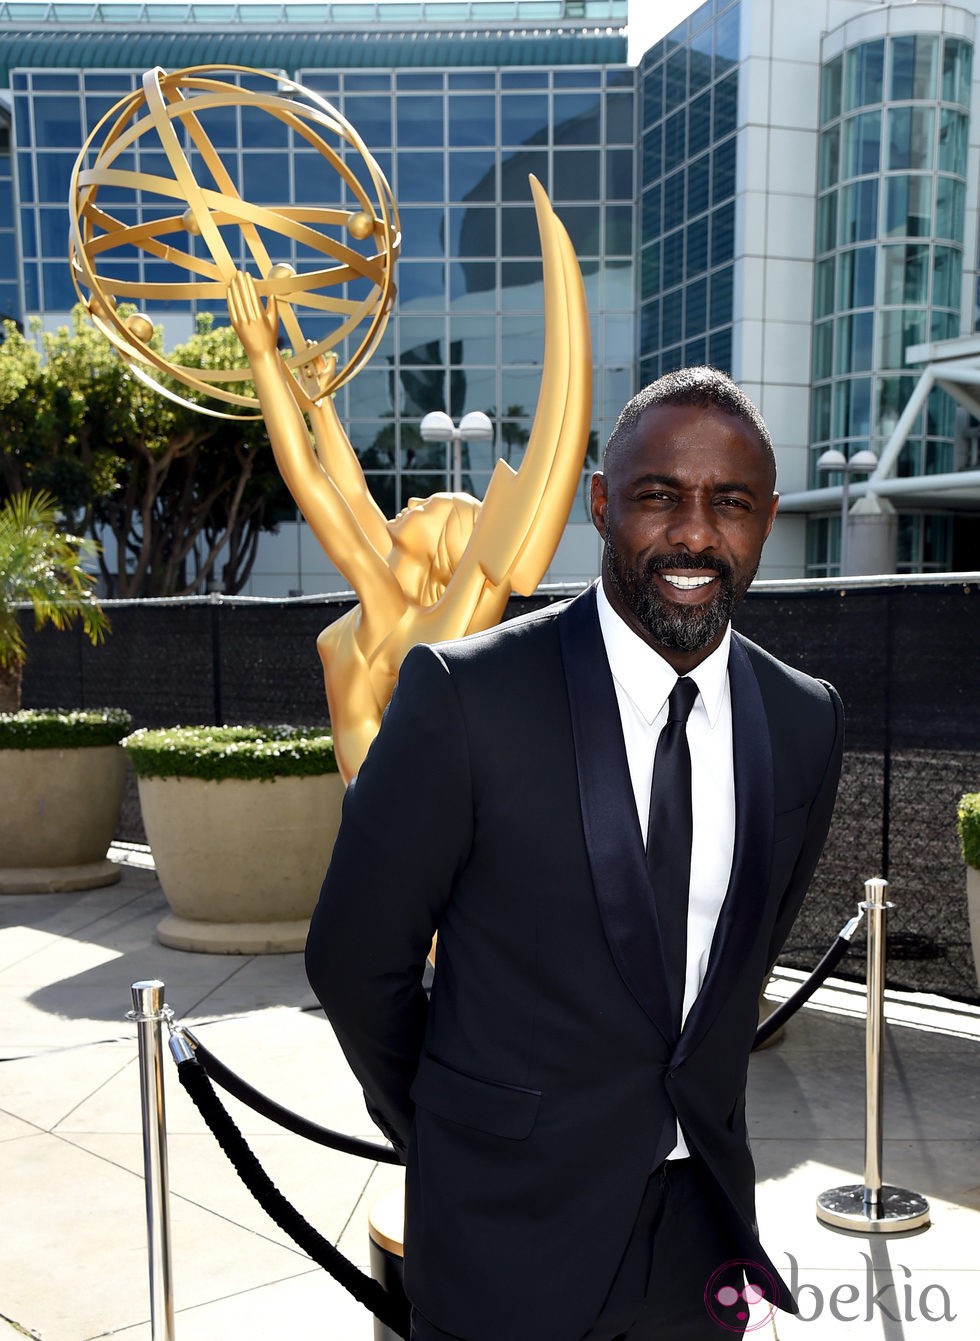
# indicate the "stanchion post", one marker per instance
pixel 874 1207
pixel 149 1012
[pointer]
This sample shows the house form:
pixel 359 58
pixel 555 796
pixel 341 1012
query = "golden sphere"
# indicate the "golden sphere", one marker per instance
pixel 199 234
pixel 361 225
pixel 140 327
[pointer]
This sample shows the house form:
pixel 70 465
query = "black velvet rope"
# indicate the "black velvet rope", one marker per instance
pixel 391 1311
pixel 803 993
pixel 284 1117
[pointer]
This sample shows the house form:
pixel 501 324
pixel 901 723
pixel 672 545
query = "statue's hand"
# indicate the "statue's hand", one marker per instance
pixel 315 375
pixel 256 326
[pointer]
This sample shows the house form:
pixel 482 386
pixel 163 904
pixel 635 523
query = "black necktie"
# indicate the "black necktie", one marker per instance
pixel 670 835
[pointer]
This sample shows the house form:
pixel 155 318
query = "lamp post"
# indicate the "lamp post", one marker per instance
pixel 473 427
pixel 861 463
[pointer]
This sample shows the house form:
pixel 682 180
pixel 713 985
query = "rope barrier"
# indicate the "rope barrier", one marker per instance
pixel 807 988
pixel 391 1311
pixel 284 1117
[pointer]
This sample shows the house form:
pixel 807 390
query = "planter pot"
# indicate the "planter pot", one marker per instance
pixel 240 861
pixel 58 812
pixel 973 906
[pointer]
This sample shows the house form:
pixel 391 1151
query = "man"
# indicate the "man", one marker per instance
pixel 571 1103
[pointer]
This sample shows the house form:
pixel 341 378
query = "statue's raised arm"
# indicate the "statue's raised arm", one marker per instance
pixel 446 565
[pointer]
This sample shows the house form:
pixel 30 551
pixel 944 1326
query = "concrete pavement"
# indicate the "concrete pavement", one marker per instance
pixel 73 1260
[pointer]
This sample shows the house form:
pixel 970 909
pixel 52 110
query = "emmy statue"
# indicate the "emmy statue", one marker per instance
pixel 447 564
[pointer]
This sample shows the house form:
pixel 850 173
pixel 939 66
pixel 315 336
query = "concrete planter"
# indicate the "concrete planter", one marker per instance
pixel 58 812
pixel 973 907
pixel 240 861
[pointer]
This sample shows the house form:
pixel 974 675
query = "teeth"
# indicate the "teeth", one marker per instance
pixel 687 582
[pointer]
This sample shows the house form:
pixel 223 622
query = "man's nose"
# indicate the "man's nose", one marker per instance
pixel 693 526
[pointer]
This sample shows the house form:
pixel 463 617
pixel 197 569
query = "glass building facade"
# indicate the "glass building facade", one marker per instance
pixel 892 180
pixel 687 153
pixel 790 195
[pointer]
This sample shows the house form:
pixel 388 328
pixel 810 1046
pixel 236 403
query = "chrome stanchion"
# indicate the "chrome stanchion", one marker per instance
pixel 149 1012
pixel 873 1207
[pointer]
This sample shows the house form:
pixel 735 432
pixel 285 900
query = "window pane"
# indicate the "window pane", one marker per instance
pixel 829 157
pixel 823 345
pixel 856 278
pixel 696 307
pixel 854 345
pixel 697 246
pixel 473 233
pixel 723 171
pixel 915 63
pixel 721 297
pixel 419 177
pixel 524 118
pixel 577 118
pixel 576 175
pixel 619 174
pixel 673 317
pixel 823 301
pixel 859 211
pixel 472 121
pixel 911 132
pixel 420 121
pixel 674 211
pixel 862 144
pixel 952 142
pixel 863 75
pixel 699 125
pixel 675 132
pixel 726 106
pixel 619 118
pixel 827 222
pixel 653 153
pixel 723 235
pixel 830 90
pixel 957 71
pixel 472 176
pixel 950 203
pixel 946 271
pixel 908 207
pixel 906 274
pixel 515 169
pixel 698 184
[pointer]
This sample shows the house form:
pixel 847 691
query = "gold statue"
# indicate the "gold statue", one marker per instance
pixel 446 565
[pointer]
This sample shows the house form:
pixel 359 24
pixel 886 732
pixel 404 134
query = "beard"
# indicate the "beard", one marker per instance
pixel 680 628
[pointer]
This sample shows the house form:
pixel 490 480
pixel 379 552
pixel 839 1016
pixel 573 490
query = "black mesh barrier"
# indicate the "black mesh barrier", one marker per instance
pixel 903 655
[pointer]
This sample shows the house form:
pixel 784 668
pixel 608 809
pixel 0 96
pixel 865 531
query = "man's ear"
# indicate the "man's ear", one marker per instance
pixel 773 507
pixel 598 499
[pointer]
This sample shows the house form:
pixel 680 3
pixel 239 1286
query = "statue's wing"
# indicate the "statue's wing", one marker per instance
pixel 524 512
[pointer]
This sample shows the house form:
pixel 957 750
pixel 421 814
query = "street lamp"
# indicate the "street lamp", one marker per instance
pixel 473 427
pixel 862 463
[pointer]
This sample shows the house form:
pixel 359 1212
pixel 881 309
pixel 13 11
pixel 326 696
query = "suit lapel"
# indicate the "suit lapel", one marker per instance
pixel 748 885
pixel 612 830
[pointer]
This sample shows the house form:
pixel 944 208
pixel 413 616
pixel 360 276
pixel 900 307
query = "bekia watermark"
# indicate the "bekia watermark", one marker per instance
pixel 900 1297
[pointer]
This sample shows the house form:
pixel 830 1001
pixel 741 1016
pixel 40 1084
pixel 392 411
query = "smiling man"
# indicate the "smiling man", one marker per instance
pixel 610 810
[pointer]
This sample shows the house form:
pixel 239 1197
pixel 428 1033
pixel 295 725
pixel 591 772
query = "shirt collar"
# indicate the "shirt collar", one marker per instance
pixel 646 677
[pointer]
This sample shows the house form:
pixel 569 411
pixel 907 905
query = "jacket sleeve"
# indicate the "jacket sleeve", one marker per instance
pixel 818 823
pixel 406 830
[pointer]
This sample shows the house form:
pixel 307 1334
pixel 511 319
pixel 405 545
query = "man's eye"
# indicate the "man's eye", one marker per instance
pixel 733 503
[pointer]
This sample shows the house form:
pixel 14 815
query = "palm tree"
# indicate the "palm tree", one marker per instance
pixel 42 565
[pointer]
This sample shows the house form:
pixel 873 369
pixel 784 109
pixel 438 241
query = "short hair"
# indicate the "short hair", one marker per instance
pixel 703 388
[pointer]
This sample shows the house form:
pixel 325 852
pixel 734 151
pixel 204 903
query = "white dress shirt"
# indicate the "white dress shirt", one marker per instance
pixel 643 681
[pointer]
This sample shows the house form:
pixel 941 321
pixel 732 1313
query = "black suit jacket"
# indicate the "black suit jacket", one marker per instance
pixel 540 1087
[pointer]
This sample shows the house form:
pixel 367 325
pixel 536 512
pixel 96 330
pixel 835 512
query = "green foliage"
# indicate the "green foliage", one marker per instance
pixel 968 822
pixel 185 495
pixel 218 752
pixel 62 728
pixel 42 565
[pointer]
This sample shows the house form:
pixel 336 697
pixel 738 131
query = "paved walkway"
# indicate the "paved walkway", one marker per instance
pixel 73 1257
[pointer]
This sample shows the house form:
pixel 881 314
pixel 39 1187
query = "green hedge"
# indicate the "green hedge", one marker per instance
pixel 968 819
pixel 218 752
pixel 62 728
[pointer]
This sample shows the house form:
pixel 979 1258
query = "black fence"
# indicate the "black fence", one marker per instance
pixel 904 656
